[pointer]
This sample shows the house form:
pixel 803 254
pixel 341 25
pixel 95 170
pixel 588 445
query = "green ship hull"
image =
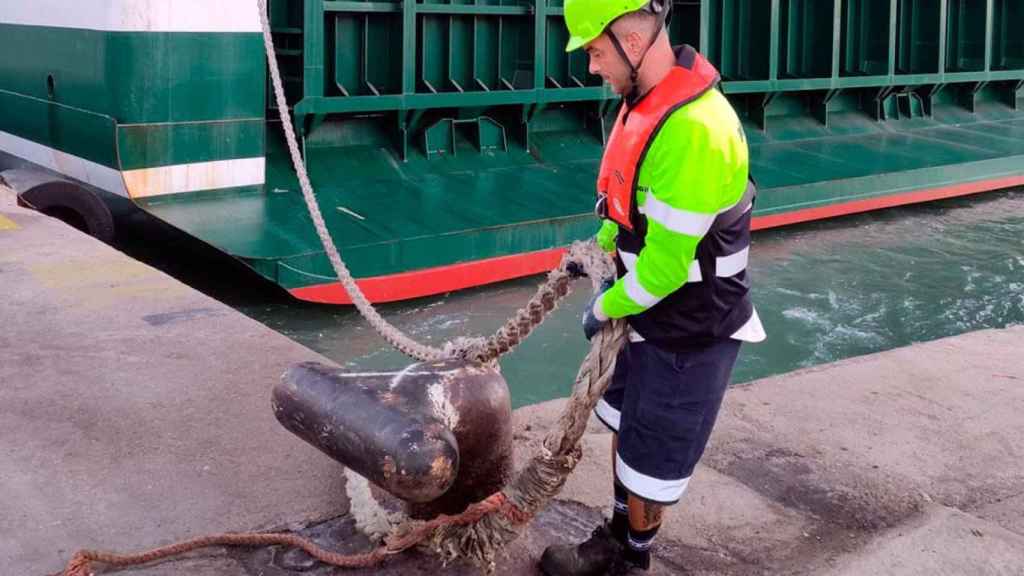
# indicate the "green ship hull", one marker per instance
pixel 456 144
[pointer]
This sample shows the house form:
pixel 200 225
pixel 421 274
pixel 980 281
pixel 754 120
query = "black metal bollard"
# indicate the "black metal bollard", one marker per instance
pixel 437 435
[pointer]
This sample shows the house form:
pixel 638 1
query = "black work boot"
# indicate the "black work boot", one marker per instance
pixel 597 556
pixel 626 568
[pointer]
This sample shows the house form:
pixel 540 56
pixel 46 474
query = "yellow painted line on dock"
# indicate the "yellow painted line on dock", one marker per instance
pixel 7 224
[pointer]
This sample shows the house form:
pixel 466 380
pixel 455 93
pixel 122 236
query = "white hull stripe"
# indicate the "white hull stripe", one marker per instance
pixel 676 220
pixel 98 175
pixel 610 416
pixel 181 178
pixel 733 264
pixel 136 15
pixel 142 182
pixel 654 489
pixel 638 293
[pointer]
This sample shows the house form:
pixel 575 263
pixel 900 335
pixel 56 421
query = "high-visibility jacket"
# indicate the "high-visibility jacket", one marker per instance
pixel 678 201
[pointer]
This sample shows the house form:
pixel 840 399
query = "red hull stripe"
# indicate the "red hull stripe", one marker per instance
pixel 832 210
pixel 418 283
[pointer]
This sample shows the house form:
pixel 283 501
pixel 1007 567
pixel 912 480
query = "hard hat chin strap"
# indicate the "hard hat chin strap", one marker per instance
pixel 661 8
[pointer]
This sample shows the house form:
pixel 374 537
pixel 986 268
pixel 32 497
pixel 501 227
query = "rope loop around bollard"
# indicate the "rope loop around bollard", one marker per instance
pixel 478 533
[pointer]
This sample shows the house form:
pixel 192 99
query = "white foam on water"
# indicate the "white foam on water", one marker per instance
pixel 874 315
pixel 808 316
pixel 833 300
pixel 849 333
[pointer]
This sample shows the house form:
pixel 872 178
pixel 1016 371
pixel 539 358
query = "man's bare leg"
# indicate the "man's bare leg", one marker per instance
pixel 644 516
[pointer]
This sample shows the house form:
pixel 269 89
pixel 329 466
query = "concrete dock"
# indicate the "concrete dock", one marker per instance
pixel 135 412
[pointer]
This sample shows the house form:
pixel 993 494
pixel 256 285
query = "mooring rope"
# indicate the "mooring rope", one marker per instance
pixel 507 337
pixel 484 528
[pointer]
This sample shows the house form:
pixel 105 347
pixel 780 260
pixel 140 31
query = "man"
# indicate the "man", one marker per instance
pixel 675 195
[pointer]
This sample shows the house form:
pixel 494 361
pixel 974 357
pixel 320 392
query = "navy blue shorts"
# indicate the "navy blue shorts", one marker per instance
pixel 663 406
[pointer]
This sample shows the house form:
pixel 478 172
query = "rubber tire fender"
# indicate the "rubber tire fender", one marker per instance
pixel 57 196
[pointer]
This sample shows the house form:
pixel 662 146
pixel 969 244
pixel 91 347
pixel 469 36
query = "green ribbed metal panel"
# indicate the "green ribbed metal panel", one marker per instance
pixel 409 105
pixel 918 41
pixel 864 42
pixel 965 36
pixel 740 38
pixel 1008 36
pixel 805 38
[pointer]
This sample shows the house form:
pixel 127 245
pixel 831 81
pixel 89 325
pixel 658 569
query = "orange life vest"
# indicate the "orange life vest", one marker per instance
pixel 635 128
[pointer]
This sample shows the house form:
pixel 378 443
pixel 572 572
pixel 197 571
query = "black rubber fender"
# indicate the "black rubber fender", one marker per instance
pixel 65 200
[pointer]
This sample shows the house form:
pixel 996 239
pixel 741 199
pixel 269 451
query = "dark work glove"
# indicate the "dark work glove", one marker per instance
pixel 591 323
pixel 575 270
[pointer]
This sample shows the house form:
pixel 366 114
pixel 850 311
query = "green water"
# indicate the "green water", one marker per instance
pixel 825 291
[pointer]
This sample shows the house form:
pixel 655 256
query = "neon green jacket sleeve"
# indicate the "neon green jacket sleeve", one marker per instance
pixel 606 235
pixel 696 167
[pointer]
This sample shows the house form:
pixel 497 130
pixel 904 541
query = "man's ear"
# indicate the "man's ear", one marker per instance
pixel 635 43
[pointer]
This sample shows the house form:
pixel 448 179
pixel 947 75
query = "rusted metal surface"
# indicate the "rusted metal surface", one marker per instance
pixel 437 435
pixel 358 421
pixel 474 401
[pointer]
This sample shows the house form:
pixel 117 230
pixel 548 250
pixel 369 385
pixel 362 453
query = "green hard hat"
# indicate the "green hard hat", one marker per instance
pixel 587 19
